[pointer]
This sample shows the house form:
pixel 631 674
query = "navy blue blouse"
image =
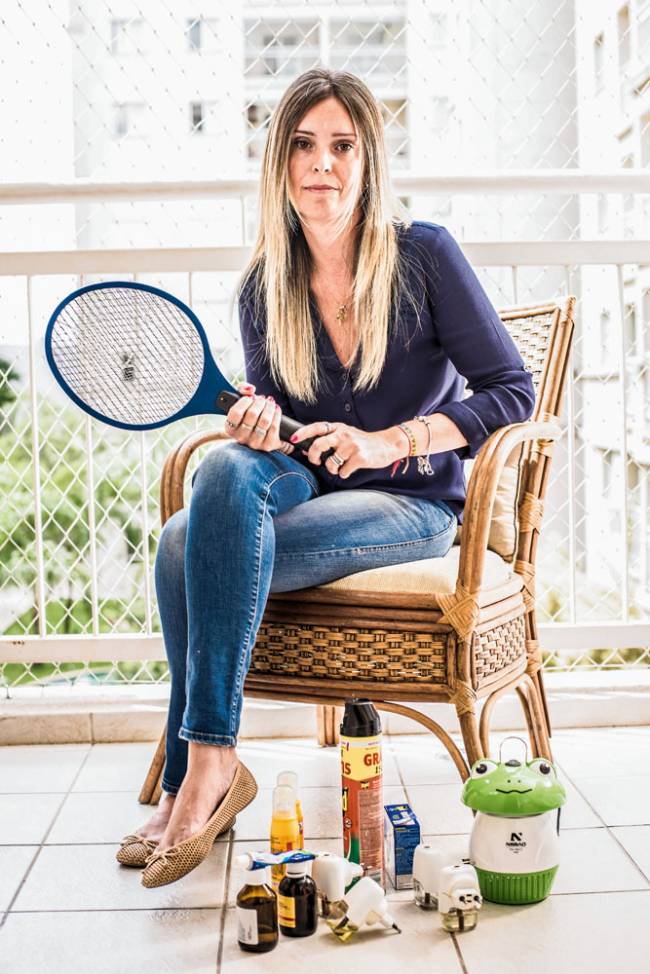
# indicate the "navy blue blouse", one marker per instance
pixel 460 337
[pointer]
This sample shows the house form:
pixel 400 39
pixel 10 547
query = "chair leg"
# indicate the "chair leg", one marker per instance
pixel 465 702
pixel 151 788
pixel 534 713
pixel 327 723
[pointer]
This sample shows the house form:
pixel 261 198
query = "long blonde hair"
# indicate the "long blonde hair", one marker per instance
pixel 280 266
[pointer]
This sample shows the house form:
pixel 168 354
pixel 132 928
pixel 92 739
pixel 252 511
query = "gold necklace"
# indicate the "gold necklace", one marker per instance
pixel 341 313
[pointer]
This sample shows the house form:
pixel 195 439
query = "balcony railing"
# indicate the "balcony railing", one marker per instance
pixel 98 554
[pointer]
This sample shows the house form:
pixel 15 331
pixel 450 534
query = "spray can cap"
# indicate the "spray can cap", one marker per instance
pixel 360 719
pixel 284 799
pixel 289 778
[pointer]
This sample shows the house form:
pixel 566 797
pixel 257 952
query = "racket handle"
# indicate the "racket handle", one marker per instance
pixel 288 426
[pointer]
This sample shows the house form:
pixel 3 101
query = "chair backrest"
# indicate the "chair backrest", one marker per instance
pixel 542 333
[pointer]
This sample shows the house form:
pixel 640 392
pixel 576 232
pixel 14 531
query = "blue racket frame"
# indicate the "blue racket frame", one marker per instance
pixel 204 400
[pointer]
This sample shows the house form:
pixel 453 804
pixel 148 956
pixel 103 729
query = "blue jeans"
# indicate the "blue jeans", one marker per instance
pixel 258 523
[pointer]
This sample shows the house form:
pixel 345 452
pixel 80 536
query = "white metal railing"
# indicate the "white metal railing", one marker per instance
pixel 564 254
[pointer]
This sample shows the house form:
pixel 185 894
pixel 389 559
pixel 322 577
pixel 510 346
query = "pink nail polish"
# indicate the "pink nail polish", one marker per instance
pixel 294 437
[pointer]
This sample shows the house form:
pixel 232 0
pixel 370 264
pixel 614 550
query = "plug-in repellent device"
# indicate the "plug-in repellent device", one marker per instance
pixel 361 785
pixel 365 902
pixel 332 875
pixel 514 843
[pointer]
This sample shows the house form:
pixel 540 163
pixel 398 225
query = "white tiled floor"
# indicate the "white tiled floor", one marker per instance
pixel 71 907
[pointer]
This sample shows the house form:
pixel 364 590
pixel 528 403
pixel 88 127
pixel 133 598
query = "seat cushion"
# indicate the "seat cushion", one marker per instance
pixel 425 577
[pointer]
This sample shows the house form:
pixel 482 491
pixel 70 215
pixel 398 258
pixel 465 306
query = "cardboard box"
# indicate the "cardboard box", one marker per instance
pixel 401 835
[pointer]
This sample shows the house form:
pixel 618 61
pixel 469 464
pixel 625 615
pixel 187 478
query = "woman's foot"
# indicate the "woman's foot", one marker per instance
pixel 155 827
pixel 210 771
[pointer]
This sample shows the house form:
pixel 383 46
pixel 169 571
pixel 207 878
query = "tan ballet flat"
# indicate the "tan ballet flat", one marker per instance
pixel 135 849
pixel 167 865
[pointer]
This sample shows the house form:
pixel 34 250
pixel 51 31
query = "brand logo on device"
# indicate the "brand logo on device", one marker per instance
pixel 516 841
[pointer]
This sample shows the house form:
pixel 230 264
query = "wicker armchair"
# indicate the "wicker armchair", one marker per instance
pixel 455 629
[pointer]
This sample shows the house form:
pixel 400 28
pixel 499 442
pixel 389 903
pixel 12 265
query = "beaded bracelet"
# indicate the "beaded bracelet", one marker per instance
pixel 424 466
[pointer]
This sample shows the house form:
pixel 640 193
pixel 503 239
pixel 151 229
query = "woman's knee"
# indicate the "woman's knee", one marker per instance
pixel 170 554
pixel 232 463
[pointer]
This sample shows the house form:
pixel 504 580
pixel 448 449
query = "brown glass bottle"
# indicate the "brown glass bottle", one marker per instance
pixel 257 914
pixel 297 902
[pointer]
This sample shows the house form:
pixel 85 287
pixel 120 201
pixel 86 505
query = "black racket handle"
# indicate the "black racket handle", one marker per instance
pixel 288 426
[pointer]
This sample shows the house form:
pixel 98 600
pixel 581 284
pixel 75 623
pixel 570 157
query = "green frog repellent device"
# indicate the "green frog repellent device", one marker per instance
pixel 514 843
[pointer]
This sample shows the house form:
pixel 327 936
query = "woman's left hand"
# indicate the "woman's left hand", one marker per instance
pixel 359 449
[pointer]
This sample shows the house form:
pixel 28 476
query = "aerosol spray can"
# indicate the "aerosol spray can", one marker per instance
pixel 362 792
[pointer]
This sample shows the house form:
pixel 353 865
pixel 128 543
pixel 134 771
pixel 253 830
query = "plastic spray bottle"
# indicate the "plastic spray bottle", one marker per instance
pixel 290 778
pixel 362 792
pixel 285 830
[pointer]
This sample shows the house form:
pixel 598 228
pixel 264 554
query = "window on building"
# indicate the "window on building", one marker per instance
pixel 131 120
pixel 644 139
pixel 606 343
pixel 645 327
pixel 602 213
pixel 599 62
pixel 623 33
pixel 439 25
pixel 643 30
pixel 127 36
pixel 196 110
pixel 608 474
pixel 202 34
pixel 630 330
pixel 257 123
pixel 394 112
pixel 280 47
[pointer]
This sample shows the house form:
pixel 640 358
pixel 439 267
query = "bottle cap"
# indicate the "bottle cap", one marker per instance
pixel 284 799
pixel 360 719
pixel 297 868
pixel 289 778
pixel 257 877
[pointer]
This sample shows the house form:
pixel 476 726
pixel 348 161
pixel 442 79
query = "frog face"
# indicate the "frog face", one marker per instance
pixel 513 788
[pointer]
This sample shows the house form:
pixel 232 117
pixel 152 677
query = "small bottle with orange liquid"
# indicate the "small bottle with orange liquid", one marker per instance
pixel 285 830
pixel 290 778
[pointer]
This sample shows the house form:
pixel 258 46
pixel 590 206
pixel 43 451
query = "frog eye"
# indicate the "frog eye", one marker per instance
pixel 542 766
pixel 483 768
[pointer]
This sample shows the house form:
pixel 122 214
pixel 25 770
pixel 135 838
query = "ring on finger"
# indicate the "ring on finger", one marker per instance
pixel 339 461
pixel 260 431
pixel 244 426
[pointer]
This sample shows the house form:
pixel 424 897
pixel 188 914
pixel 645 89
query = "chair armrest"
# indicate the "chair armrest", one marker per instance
pixel 482 489
pixel 172 478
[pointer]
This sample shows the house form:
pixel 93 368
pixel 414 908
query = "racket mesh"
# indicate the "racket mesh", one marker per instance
pixel 132 356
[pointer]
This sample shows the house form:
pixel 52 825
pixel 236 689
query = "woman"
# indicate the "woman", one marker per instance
pixel 361 326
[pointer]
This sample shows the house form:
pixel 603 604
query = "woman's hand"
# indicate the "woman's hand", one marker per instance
pixel 262 417
pixel 360 450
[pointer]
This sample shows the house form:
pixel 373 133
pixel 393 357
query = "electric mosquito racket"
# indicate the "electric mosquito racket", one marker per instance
pixel 136 357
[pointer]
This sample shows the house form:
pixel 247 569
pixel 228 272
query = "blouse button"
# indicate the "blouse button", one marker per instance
pixel 348 407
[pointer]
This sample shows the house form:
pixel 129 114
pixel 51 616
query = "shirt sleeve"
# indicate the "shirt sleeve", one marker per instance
pixel 255 360
pixel 477 342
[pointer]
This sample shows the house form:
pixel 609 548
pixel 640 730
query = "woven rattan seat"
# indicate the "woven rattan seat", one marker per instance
pixel 458 629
